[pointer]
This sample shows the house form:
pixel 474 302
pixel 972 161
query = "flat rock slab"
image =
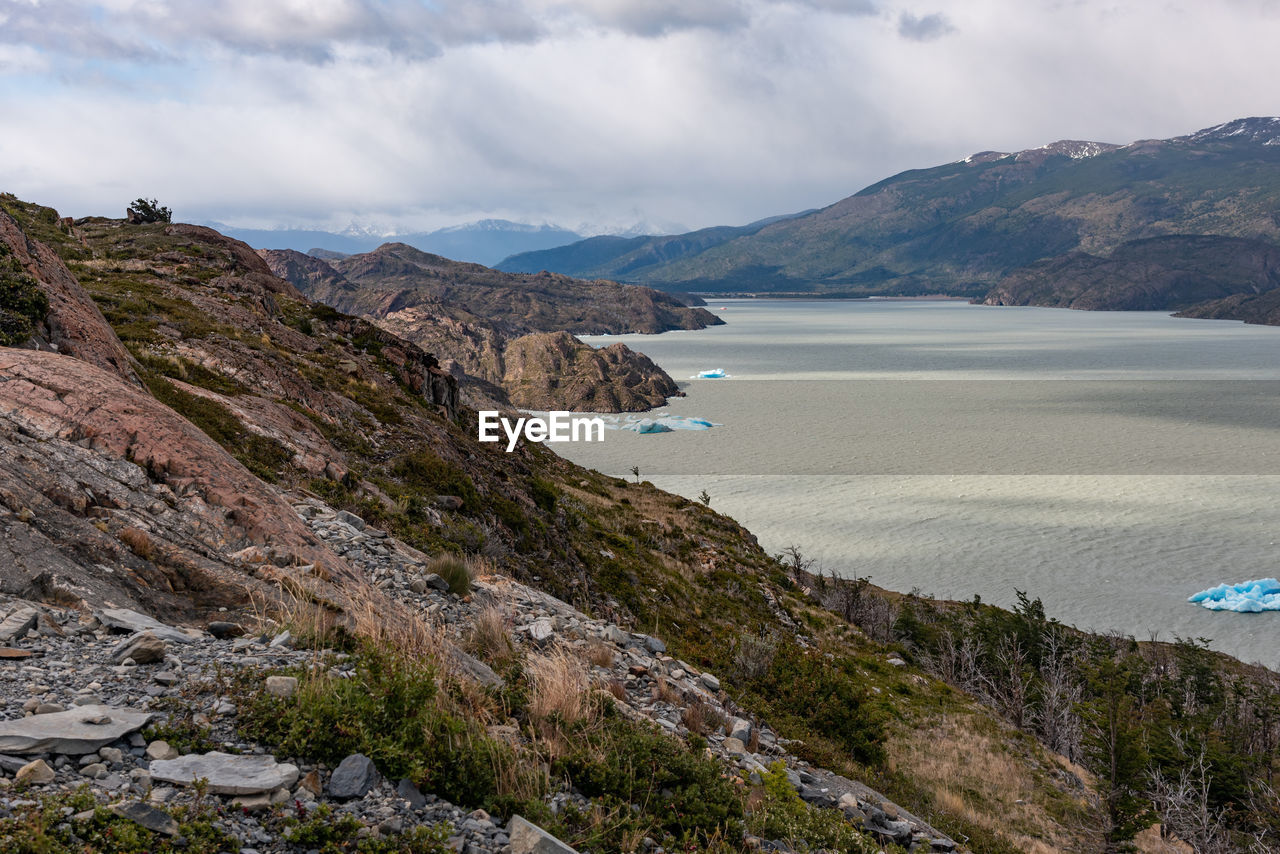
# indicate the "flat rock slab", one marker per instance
pixel 227 773
pixel 17 624
pixel 76 731
pixel 528 838
pixel 132 621
pixel 10 652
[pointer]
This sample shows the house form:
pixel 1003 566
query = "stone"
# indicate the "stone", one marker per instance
pixel 615 636
pixel 147 816
pixel 654 645
pixel 75 732
pixel 252 803
pixel 36 773
pixel 351 519
pixel 879 823
pixel 223 630
pixel 283 639
pixel 12 764
pixel 95 770
pixel 353 778
pixel 282 686
pixel 417 585
pixel 710 682
pixel 528 838
pixel 10 652
pixel 435 581
pixel 48 709
pixel 131 621
pixel 740 728
pixel 111 754
pixel 409 792
pixel 161 750
pixel 143 648
pixel 16 625
pixel 541 630
pixel 227 774
pixel 448 502
pixel 734 746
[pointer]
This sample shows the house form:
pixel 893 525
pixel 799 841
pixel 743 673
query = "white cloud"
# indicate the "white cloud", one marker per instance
pixel 560 110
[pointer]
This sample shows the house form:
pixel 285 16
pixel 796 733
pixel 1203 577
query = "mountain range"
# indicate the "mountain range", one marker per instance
pixel 484 242
pixel 1075 223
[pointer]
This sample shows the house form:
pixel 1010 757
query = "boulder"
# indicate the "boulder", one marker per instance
pixel 223 630
pixel 354 777
pixel 710 682
pixel 528 838
pixel 17 624
pixel 161 750
pixel 123 619
pixel 281 686
pixel 81 730
pixel 740 728
pixel 227 774
pixel 409 792
pixel 143 648
pixel 36 773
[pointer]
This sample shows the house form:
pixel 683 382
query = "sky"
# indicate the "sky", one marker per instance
pixel 597 115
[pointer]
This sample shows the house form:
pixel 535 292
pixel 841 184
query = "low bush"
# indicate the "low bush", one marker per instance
pixel 453 569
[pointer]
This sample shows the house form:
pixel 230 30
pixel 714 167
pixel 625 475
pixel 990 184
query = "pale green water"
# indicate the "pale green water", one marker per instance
pixel 1110 463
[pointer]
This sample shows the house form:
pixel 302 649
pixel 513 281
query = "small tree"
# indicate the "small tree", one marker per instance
pixel 705 498
pixel 149 210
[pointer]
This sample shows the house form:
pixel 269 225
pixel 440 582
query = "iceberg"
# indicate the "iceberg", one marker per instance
pixel 1247 597
pixel 660 423
pixel 713 374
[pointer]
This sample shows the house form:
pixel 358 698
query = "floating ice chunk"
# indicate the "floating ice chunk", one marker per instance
pixel 713 374
pixel 1248 597
pixel 660 423
pixel 647 425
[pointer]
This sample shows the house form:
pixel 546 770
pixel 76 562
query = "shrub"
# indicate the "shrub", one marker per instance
pixel 149 210
pixel 23 304
pixel 680 791
pixel 781 814
pixel 392 712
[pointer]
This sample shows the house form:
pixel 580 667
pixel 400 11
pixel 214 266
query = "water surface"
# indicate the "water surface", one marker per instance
pixel 1111 463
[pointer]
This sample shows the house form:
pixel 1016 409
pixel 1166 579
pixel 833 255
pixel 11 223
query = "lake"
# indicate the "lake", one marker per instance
pixel 1110 463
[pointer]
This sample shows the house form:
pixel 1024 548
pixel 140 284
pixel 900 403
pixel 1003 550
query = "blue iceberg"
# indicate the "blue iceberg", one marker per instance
pixel 1247 597
pixel 713 374
pixel 661 423
pixel 647 425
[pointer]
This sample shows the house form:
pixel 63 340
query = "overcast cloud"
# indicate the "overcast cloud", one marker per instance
pixel 405 115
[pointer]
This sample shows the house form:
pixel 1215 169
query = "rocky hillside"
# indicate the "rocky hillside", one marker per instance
pixel 474 318
pixel 961 228
pixel 1147 275
pixel 445 645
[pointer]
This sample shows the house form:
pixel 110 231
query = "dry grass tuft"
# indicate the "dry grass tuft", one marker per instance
pixel 454 569
pixel 701 718
pixel 490 638
pixel 663 692
pixel 600 654
pixel 558 687
pixel 618 689
pixel 139 542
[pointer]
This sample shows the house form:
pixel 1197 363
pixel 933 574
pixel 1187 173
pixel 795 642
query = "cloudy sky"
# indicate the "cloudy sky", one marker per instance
pixel 404 114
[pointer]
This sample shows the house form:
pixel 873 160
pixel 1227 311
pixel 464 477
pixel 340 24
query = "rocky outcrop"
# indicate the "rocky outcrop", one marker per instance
pixel 108 495
pixel 74 326
pixel 480 333
pixel 554 370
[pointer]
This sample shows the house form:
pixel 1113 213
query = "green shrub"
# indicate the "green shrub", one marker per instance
pixel 783 815
pixel 391 712
pixel 678 790
pixel 23 304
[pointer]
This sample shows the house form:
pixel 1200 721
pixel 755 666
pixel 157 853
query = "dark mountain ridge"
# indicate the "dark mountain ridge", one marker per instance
pixel 961 228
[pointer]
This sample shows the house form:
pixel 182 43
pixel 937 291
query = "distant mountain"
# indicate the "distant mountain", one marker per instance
pixel 484 242
pixel 963 227
pixel 628 258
